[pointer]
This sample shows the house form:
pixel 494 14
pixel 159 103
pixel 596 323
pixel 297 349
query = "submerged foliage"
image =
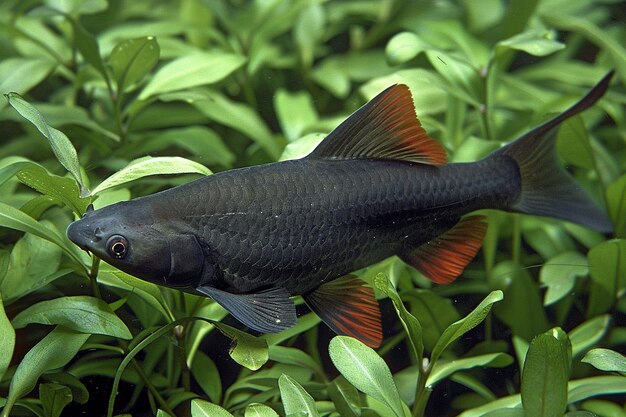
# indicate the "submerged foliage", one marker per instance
pixel 102 97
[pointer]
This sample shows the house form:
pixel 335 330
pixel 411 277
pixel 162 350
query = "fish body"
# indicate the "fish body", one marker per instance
pixel 377 186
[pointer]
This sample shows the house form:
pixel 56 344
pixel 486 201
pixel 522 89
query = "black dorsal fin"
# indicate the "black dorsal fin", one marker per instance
pixel 384 128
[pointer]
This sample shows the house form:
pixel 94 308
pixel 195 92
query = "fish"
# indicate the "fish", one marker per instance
pixel 376 186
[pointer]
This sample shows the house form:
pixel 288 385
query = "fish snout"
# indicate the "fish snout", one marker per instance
pixel 82 235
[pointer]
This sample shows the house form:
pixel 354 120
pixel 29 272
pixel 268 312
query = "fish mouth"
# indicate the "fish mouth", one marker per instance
pixel 81 236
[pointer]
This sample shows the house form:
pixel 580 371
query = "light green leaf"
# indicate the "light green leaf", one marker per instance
pixel 411 325
pixel 80 313
pixel 606 360
pixel 78 7
pixel 12 72
pixel 143 167
pixel 207 376
pixel 200 408
pixel 546 374
pixel 259 410
pixel 295 398
pixel 533 42
pixel 302 146
pixel 8 340
pixel 403 47
pixel 191 71
pixel 308 29
pixel 296 357
pixel 52 352
pixel 559 275
pixel 582 389
pixel 246 350
pixel 132 59
pixel 367 371
pixel 459 328
pixel 54 398
pixel 607 263
pixel 60 144
pixel 295 112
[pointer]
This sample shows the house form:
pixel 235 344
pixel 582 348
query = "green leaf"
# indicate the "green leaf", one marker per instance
pixel 345 397
pixel 80 313
pixel 259 410
pixel 573 143
pixel 295 112
pixel 296 357
pixel 8 340
pixel 607 263
pixel 207 376
pixel 54 398
pixel 443 369
pixel 191 71
pixel 88 47
pixel 559 275
pixel 239 117
pixel 132 59
pixel 533 42
pixel 589 333
pixel 295 398
pixel 200 408
pixel 582 389
pixel 616 201
pixel 52 352
pixel 435 314
pixel 606 360
pixel 60 144
pixel 78 7
pixel 62 189
pixel 246 350
pixel 308 29
pixel 367 371
pixel 403 47
pixel 459 328
pixel 546 374
pixel 143 167
pixel 12 72
pixel 411 325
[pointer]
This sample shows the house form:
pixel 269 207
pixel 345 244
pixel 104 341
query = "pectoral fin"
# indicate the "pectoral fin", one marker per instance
pixel 446 256
pixel 268 311
pixel 348 308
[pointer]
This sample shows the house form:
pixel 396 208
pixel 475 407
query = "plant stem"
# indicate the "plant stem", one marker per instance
pixel 181 334
pixel 422 394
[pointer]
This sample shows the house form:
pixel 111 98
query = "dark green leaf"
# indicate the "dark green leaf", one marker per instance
pixel 367 371
pixel 60 144
pixel 345 397
pixel 54 398
pixel 80 313
pixel 616 200
pixel 132 59
pixel 295 398
pixel 546 374
pixel 207 376
pixel 88 47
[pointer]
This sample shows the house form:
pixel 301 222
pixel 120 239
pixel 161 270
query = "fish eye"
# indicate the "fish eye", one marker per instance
pixel 117 246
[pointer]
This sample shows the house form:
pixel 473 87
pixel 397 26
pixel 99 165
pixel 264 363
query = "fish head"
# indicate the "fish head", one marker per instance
pixel 131 238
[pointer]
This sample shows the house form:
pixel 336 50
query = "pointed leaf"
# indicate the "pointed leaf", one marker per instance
pixel 52 352
pixel 132 59
pixel 259 410
pixel 207 376
pixel 80 313
pixel 533 42
pixel 200 408
pixel 546 374
pixel 459 328
pixel 581 389
pixel 367 371
pixel 443 369
pixel 587 334
pixel 8 340
pixel 616 201
pixel 295 398
pixel 88 47
pixel 606 360
pixel 345 397
pixel 54 398
pixel 60 144
pixel 191 71
pixel 12 72
pixel 143 167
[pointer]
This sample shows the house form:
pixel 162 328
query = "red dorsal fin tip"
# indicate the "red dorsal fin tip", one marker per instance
pixel 444 258
pixel 384 128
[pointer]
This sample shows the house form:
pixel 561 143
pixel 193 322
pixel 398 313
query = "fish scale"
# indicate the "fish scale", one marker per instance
pixel 376 186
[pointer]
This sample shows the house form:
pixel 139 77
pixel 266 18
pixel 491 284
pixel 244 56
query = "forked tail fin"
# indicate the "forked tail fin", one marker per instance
pixel 547 189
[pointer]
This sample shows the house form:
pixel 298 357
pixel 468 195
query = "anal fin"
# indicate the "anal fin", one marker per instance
pixel 268 311
pixel 445 257
pixel 349 308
